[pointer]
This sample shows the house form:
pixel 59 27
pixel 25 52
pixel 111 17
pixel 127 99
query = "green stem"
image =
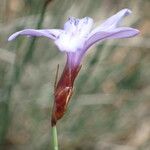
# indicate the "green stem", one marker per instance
pixel 54 138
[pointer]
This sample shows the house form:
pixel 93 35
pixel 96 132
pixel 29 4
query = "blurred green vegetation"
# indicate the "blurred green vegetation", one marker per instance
pixel 110 108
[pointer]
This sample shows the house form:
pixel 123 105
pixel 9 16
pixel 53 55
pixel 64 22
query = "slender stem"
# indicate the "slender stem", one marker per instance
pixel 54 138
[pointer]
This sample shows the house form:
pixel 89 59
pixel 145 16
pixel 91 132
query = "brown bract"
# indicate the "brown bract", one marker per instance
pixel 63 92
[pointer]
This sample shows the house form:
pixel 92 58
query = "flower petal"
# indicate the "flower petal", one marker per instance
pixel 70 25
pixel 85 25
pixel 82 26
pixel 50 33
pixel 122 32
pixel 113 21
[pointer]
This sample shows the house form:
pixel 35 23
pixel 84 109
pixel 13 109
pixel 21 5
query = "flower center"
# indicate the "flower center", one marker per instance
pixel 74 35
pixel 70 42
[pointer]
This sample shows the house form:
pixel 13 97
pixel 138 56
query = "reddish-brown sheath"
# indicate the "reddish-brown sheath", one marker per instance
pixel 63 92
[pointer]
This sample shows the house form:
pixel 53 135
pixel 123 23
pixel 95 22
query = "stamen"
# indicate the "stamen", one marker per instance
pixel 76 22
pixel 86 21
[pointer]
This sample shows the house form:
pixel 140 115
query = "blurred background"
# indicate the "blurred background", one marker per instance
pixel 110 108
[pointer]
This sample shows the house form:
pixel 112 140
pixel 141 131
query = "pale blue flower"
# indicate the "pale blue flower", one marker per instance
pixel 77 35
pixel 75 39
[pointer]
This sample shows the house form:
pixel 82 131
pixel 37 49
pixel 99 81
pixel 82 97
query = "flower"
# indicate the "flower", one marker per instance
pixel 75 39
